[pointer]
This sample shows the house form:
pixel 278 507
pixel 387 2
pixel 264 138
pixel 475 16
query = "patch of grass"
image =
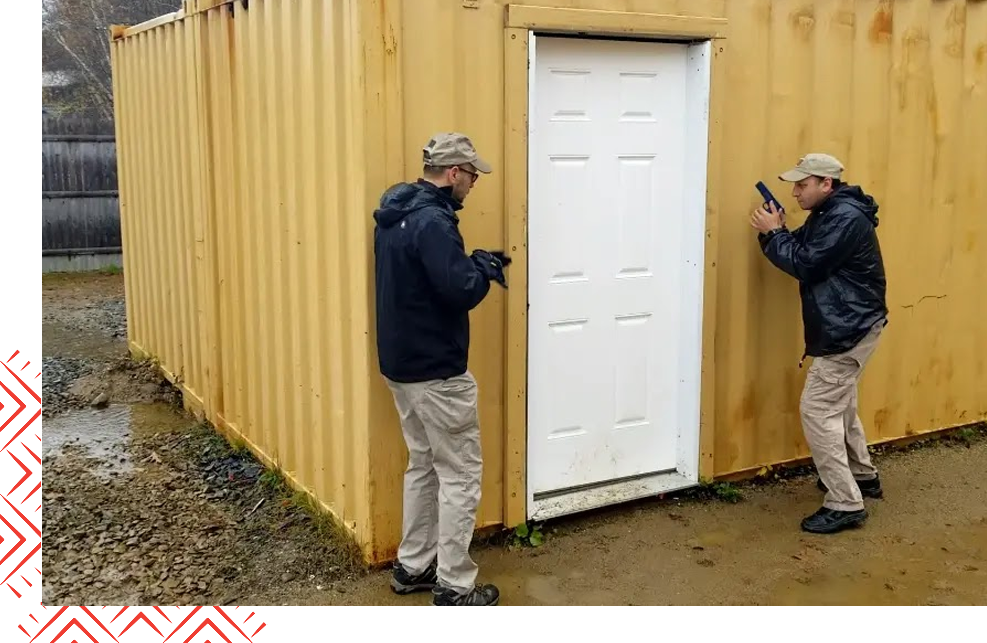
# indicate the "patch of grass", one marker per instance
pixel 297 509
pixel 112 269
pixel 239 447
pixel 274 480
pixel 327 526
pixel 525 535
pixel 968 435
pixel 301 500
pixel 276 511
pixel 725 491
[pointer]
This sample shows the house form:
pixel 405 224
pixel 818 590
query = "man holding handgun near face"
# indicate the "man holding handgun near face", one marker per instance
pixel 837 260
pixel 426 286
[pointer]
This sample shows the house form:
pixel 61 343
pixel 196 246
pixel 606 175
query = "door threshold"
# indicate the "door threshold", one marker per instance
pixel 554 493
pixel 567 502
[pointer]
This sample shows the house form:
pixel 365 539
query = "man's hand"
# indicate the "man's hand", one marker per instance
pixel 764 221
pixel 500 256
pixel 490 266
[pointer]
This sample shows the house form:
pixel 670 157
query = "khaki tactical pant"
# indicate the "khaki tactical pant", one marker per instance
pixel 832 427
pixel 442 482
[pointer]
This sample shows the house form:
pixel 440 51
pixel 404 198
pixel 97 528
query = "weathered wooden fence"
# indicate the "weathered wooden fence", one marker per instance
pixel 80 209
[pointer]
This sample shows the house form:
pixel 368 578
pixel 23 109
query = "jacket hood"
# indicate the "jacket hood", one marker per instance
pixel 402 199
pixel 853 196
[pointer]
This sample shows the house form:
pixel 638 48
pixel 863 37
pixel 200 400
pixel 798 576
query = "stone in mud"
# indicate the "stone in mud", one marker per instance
pixel 100 401
pixel 150 389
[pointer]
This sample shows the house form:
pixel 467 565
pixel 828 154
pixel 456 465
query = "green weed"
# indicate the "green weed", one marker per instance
pixel 525 535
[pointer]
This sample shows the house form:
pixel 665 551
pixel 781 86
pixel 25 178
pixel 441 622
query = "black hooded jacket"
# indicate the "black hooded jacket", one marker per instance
pixel 837 259
pixel 426 284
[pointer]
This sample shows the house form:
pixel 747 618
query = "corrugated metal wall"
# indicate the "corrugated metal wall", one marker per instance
pixel 898 91
pixel 246 276
pixel 247 213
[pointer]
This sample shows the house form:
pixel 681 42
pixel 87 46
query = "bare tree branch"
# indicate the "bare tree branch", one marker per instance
pixel 99 20
pixel 97 82
pixel 75 41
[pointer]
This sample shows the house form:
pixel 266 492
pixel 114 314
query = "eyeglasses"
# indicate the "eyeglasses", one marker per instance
pixel 473 175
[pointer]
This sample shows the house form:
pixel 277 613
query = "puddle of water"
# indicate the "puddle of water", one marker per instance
pixel 717 538
pixel 58 340
pixel 526 587
pixel 105 434
pixel 102 435
pixel 543 589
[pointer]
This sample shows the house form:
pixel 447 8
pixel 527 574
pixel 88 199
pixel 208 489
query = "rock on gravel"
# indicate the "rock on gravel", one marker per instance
pixel 58 374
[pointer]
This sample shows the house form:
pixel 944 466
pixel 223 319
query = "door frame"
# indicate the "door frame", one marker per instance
pixel 520 23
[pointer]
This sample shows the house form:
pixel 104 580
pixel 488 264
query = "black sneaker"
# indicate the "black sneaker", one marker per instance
pixel 479 595
pixel 404 583
pixel 868 488
pixel 830 521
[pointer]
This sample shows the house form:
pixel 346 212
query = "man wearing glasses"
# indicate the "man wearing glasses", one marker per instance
pixel 426 286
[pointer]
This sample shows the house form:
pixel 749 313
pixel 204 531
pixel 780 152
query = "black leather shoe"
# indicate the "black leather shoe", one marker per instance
pixel 868 488
pixel 830 521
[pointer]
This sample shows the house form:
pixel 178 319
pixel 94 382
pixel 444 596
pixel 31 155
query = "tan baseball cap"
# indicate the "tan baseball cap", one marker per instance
pixel 822 165
pixel 451 148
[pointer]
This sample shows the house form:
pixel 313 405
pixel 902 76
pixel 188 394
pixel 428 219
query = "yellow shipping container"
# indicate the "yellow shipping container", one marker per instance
pixel 255 138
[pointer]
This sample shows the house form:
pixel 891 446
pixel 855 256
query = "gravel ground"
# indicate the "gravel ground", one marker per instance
pixel 172 520
pixel 59 373
pixel 84 349
pixel 142 503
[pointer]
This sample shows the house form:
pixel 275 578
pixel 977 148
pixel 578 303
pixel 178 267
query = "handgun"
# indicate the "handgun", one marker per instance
pixel 768 197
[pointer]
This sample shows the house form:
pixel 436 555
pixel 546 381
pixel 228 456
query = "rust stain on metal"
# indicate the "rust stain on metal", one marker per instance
pixel 882 25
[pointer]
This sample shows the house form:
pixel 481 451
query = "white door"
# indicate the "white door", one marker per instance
pixel 617 156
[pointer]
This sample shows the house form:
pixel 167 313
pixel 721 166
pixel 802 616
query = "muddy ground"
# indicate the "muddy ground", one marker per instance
pixel 144 505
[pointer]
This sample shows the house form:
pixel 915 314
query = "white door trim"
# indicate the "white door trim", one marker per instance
pixel 686 472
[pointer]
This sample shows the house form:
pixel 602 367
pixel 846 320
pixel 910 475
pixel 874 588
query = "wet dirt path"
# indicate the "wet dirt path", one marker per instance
pixel 924 544
pixel 142 504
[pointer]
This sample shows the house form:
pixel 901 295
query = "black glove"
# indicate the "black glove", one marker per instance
pixel 503 258
pixel 490 266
